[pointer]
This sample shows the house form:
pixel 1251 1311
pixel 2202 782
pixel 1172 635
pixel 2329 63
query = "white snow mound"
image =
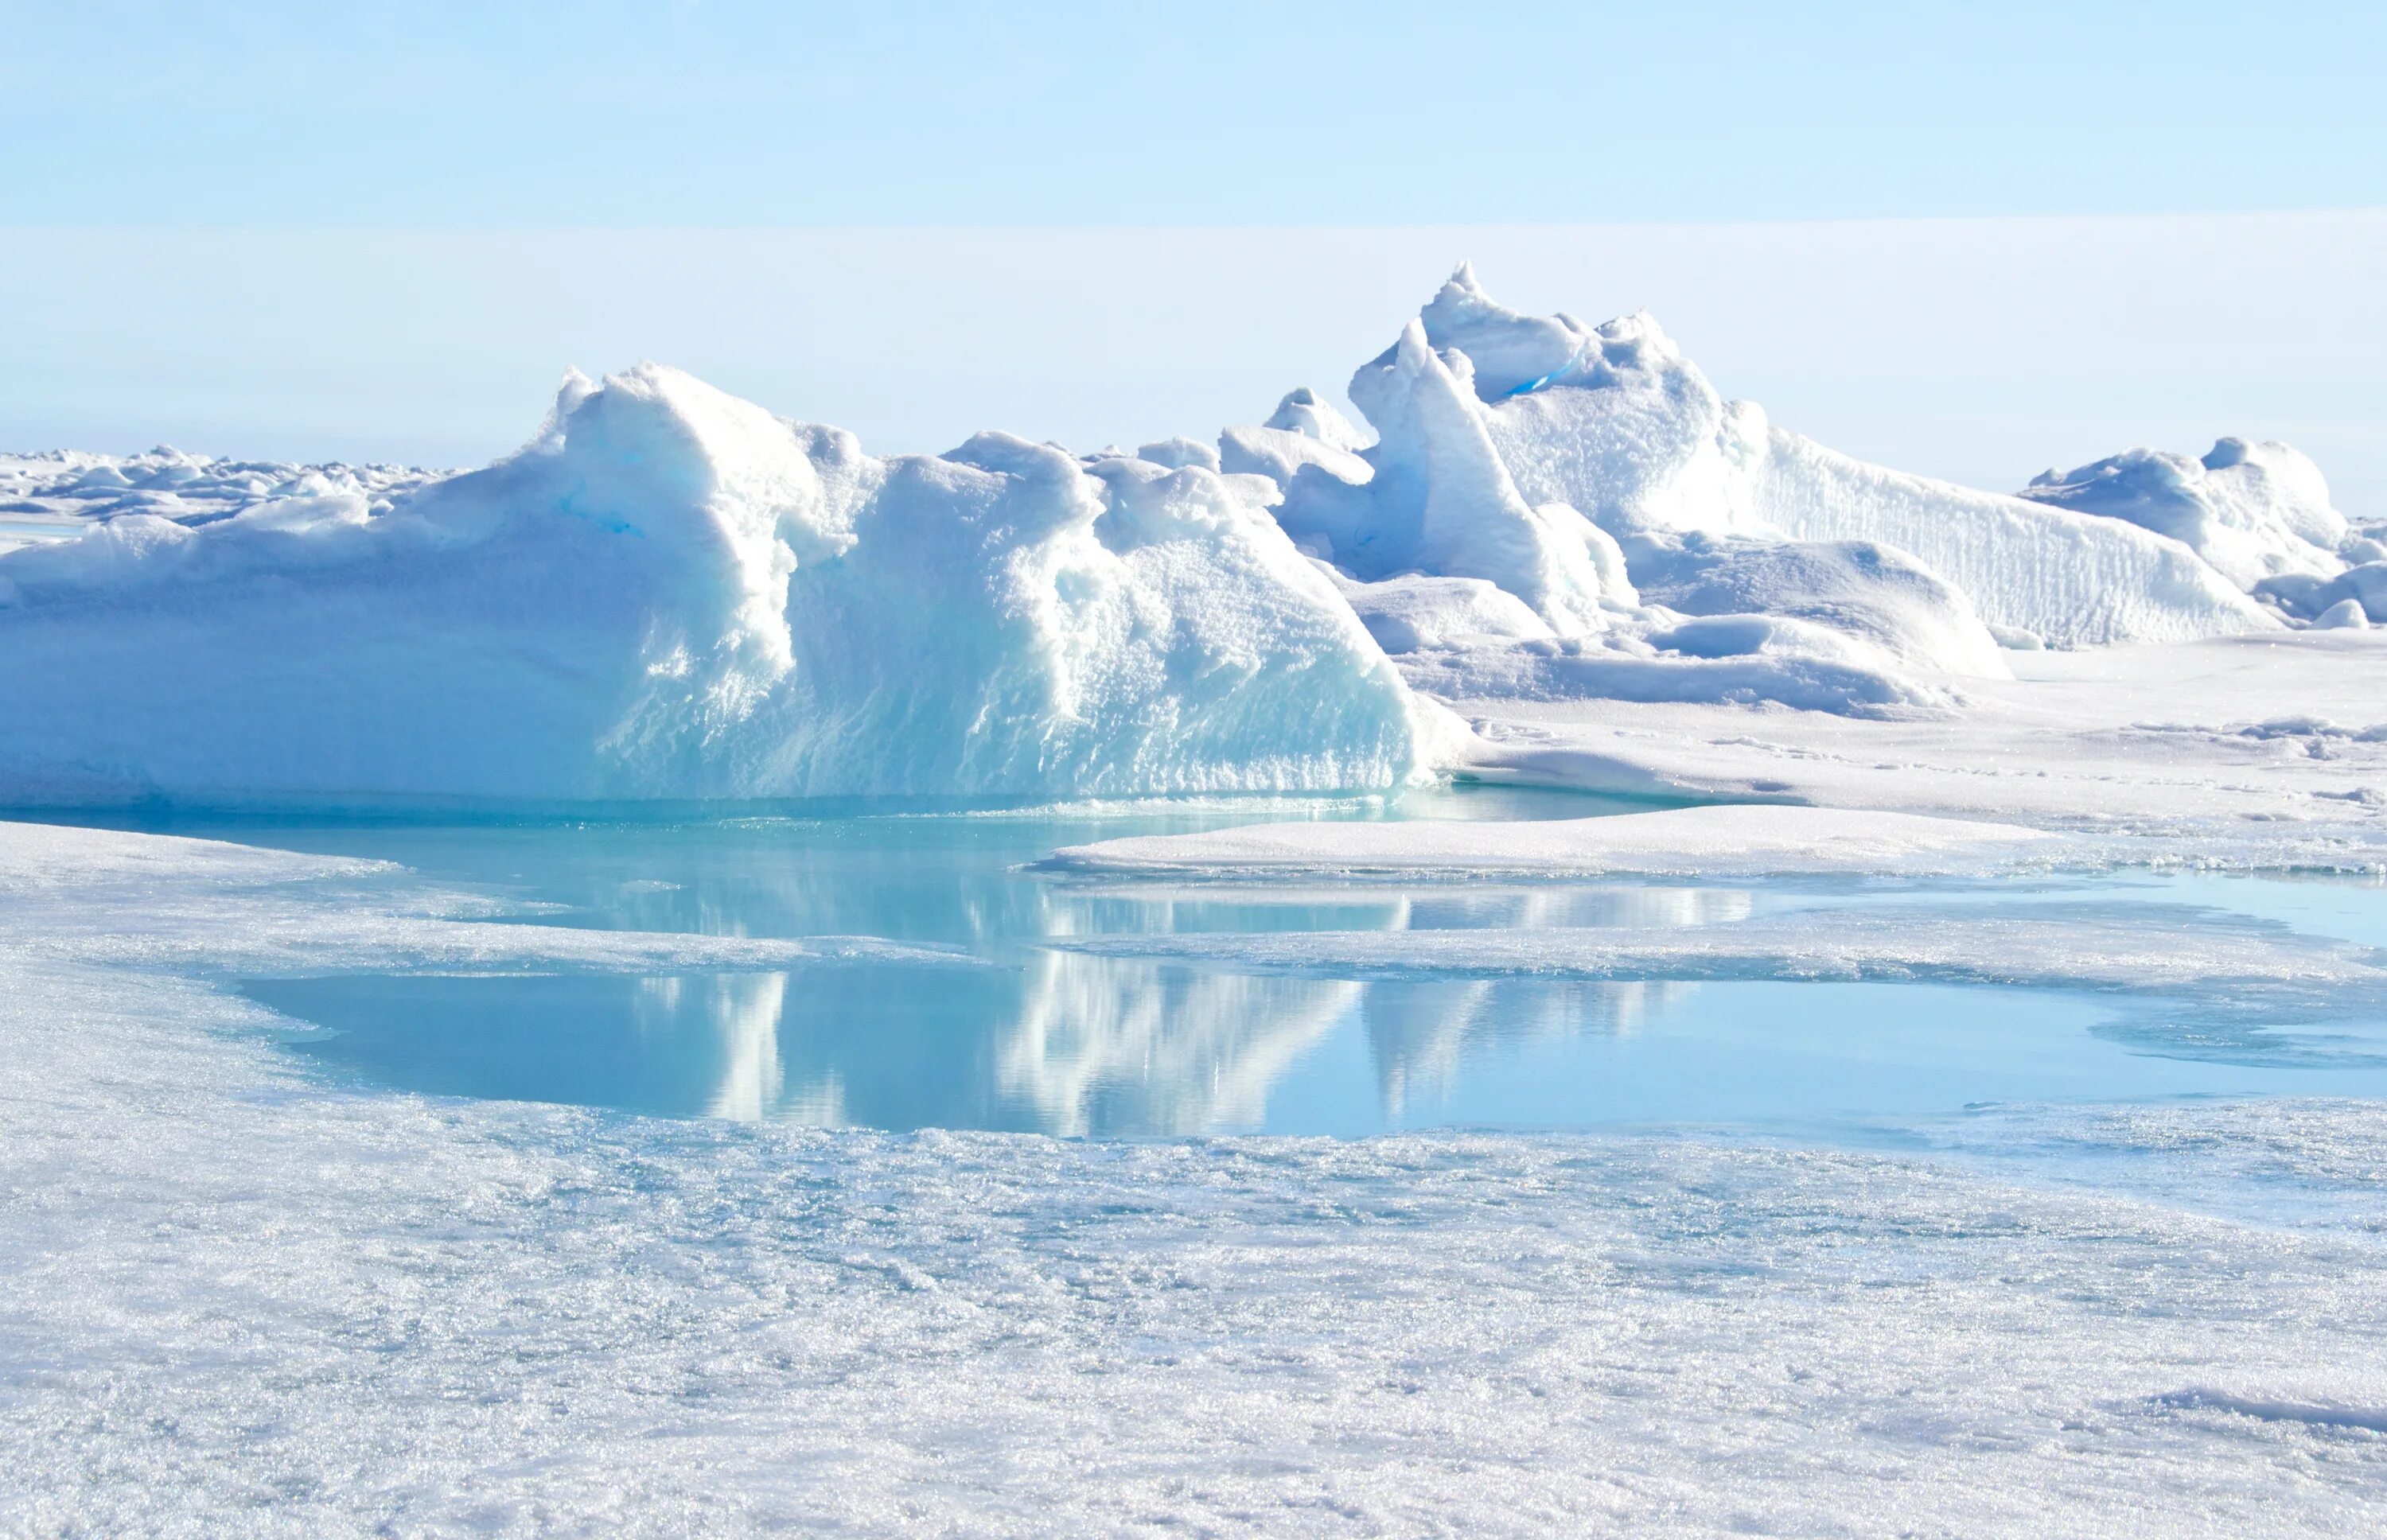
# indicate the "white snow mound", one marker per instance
pixel 671 593
pixel 2251 511
pixel 1487 414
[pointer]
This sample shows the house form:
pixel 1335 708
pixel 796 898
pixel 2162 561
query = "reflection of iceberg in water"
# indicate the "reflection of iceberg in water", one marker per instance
pixel 1421 1034
pixel 1069 1045
pixel 1106 1045
pixel 744 1009
pixel 1570 908
pixel 1076 1043
pixel 749 1019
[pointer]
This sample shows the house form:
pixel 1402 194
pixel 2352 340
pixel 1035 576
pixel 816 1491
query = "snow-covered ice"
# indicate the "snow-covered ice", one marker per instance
pixel 1719 841
pixel 2220 983
pixel 62 493
pixel 1479 407
pixel 2252 511
pixel 670 593
pixel 2252 751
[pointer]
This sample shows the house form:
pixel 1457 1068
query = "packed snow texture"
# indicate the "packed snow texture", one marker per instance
pixel 402 1314
pixel 1722 841
pixel 670 593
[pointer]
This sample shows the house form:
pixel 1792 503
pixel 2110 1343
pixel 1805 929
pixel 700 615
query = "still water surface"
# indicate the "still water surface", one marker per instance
pixel 1049 1040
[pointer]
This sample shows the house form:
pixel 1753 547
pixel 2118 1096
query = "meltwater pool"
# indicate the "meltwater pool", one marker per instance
pixel 1050 1035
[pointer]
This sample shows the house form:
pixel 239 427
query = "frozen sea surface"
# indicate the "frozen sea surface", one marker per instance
pixel 2043 1253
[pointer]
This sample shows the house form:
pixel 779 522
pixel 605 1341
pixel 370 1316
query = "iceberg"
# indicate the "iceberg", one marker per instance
pixel 2252 511
pixel 671 593
pixel 1436 497
pixel 1527 431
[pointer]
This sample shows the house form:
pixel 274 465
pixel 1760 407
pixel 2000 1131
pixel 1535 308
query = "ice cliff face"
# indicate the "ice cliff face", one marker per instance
pixel 671 593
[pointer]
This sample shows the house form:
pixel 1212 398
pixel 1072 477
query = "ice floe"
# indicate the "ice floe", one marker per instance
pixel 2259 752
pixel 2194 961
pixel 1749 838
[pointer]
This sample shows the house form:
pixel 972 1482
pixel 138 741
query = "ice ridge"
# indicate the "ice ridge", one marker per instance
pixel 671 593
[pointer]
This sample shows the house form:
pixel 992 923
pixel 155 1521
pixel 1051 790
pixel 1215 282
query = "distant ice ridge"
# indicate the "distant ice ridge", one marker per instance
pixel 1660 542
pixel 2251 511
pixel 671 593
pixel 59 494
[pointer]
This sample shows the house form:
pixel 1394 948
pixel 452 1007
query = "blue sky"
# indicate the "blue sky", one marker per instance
pixel 1968 240
pixel 676 112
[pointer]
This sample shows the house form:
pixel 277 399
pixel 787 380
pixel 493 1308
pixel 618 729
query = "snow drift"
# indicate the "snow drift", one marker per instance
pixel 671 593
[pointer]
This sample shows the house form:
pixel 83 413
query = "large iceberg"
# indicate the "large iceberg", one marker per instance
pixel 1531 520
pixel 1537 424
pixel 670 593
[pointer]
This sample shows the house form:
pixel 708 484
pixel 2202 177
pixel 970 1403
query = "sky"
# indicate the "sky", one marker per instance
pixel 1972 240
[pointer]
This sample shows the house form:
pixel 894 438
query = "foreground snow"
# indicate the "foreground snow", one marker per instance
pixel 242 1300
